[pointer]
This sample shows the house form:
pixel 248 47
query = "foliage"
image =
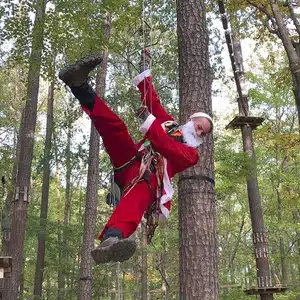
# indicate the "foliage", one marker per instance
pixel 75 28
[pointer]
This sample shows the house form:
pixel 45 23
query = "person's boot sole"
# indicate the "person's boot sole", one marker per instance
pixel 119 251
pixel 77 73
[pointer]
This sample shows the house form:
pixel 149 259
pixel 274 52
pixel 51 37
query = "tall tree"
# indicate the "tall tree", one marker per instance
pixel 40 261
pixel 264 280
pixel 85 285
pixel 144 263
pixel 71 116
pixel 20 207
pixel 197 213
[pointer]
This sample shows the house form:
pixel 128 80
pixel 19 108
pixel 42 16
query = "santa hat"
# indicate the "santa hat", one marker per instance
pixel 202 115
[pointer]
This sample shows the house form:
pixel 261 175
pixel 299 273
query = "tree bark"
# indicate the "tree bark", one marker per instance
pixel 85 284
pixel 197 212
pixel 257 222
pixel 20 206
pixel 64 236
pixel 59 235
pixel 144 264
pixel 264 279
pixel 40 261
pixel 7 209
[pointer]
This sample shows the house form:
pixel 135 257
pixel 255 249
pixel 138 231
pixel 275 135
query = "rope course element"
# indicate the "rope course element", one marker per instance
pixel 264 284
pixel 237 67
pixel 5 270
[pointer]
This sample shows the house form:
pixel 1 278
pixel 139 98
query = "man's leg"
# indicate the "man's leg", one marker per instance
pixel 116 139
pixel 123 222
pixel 112 129
pixel 129 212
pixel 117 142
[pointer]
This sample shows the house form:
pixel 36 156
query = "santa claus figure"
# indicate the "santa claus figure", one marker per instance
pixel 143 170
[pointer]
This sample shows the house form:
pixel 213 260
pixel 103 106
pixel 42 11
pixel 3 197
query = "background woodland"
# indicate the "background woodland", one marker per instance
pixel 37 38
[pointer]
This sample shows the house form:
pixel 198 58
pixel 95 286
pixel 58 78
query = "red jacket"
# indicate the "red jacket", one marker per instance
pixel 177 156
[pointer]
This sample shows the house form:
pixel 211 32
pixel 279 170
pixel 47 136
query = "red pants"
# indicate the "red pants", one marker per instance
pixel 121 148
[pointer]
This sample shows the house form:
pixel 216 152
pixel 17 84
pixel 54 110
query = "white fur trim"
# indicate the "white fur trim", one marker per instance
pixel 168 193
pixel 146 125
pixel 201 115
pixel 164 213
pixel 138 79
pixel 167 183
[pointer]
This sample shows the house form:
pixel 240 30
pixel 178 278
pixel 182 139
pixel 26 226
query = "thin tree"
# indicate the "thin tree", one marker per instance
pixel 21 198
pixel 40 261
pixel 264 280
pixel 197 212
pixel 85 284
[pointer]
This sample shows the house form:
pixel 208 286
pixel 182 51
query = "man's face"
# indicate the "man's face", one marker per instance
pixel 202 126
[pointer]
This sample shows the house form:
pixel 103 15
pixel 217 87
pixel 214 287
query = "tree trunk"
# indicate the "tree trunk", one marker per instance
pixel 259 233
pixel 59 219
pixel 257 222
pixel 234 251
pixel 197 212
pixel 40 263
pixel 85 284
pixel 162 265
pixel 293 56
pixel 65 231
pixel 296 84
pixel 144 264
pixel 59 237
pixel 20 206
pixel 7 209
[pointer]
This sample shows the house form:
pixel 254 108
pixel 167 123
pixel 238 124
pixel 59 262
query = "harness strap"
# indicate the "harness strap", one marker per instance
pixel 146 161
pixel 129 163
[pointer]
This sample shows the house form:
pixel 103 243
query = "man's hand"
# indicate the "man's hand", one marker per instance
pixel 142 113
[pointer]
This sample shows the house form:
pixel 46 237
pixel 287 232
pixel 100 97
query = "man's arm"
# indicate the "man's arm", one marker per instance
pixel 149 96
pixel 179 155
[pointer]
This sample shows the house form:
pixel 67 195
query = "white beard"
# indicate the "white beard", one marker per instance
pixel 189 135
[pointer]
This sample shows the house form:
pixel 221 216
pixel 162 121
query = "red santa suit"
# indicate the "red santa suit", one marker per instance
pixel 123 151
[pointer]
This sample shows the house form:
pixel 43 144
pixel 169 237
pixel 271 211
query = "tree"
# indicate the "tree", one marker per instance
pixel 279 18
pixel 85 285
pixel 40 263
pixel 197 214
pixel 20 207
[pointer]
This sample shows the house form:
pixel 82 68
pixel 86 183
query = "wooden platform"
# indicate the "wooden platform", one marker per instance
pixel 240 121
pixel 266 290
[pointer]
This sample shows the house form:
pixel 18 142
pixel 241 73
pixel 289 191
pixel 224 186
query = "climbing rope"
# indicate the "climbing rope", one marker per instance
pixel 150 160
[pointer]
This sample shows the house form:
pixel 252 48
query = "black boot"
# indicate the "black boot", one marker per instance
pixel 76 74
pixel 113 248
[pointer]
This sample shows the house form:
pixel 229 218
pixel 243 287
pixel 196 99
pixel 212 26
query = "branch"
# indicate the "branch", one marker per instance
pixel 272 30
pixel 236 244
pixel 294 18
pixel 261 9
pixel 163 276
pixel 264 10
